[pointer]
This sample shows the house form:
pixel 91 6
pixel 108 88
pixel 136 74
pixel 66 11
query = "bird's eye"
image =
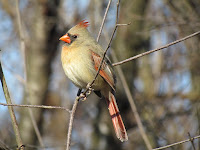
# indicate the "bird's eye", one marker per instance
pixel 75 36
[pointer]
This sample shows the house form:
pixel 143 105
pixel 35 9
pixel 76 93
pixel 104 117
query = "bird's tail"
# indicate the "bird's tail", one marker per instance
pixel 116 118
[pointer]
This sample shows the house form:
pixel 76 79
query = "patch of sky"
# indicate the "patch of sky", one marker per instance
pixel 181 81
pixel 164 85
pixel 11 60
pixel 5 28
pixel 83 5
pixel 177 104
pixel 71 5
pixel 139 84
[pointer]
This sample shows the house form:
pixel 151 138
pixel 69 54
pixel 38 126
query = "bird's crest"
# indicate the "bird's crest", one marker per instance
pixel 83 23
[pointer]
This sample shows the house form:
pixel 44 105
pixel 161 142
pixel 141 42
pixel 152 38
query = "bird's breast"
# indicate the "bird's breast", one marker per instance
pixel 78 66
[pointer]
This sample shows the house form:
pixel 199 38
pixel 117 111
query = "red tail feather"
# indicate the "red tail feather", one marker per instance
pixel 116 118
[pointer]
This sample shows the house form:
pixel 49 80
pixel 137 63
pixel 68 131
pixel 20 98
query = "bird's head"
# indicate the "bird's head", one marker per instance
pixel 77 34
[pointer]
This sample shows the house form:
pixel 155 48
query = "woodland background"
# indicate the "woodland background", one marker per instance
pixel 165 85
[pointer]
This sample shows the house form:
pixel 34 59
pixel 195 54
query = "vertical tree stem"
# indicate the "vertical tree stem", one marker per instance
pixel 71 122
pixel 11 110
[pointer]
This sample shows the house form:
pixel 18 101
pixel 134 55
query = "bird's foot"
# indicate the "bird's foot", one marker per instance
pixel 88 86
pixel 84 95
pixel 79 92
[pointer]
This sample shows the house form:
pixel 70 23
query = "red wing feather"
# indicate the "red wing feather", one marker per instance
pixel 105 71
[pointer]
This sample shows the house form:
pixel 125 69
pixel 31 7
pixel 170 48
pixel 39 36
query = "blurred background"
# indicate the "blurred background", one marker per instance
pixel 165 85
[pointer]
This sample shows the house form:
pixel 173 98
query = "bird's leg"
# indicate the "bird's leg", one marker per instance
pixel 84 96
pixel 89 88
pixel 79 92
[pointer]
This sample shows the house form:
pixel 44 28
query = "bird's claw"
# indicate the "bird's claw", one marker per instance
pixel 84 99
pixel 84 96
pixel 88 86
pixel 89 90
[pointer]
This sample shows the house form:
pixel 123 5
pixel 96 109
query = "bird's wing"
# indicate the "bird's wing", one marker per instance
pixel 106 70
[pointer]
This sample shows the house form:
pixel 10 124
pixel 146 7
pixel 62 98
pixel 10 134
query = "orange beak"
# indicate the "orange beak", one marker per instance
pixel 65 38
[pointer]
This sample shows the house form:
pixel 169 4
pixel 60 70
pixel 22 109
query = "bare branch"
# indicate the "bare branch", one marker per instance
pixel 181 142
pixel 11 110
pixel 157 49
pixel 36 128
pixel 192 141
pixel 37 106
pixel 3 145
pixel 124 24
pixel 21 34
pixel 71 122
pixel 103 21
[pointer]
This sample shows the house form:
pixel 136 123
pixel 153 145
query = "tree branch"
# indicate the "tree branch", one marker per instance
pixel 37 106
pixel 21 35
pixel 103 21
pixel 11 110
pixel 181 142
pixel 71 122
pixel 157 49
pixel 192 141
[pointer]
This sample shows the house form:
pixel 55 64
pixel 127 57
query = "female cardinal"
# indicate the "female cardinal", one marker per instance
pixel 81 56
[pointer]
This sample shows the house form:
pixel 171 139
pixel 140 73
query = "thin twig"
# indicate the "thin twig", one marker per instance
pixel 192 141
pixel 71 122
pixel 3 145
pixel 21 35
pixel 198 120
pixel 124 24
pixel 104 18
pixel 11 110
pixel 177 143
pixel 36 128
pixel 157 49
pixel 37 106
pixel 117 13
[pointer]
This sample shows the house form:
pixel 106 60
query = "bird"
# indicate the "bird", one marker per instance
pixel 81 57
